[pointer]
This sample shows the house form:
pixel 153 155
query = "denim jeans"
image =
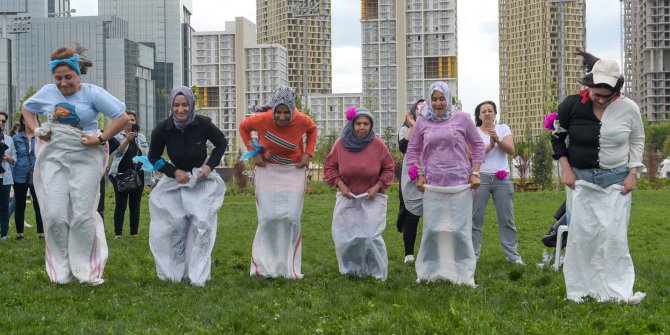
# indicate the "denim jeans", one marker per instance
pixel 602 177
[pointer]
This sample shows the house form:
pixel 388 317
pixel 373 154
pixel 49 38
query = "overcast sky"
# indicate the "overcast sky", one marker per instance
pixel 477 39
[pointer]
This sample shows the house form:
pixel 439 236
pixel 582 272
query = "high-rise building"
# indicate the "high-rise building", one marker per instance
pixel 15 19
pixel 328 110
pixel 120 65
pixel 530 59
pixel 165 25
pixel 303 28
pixel 231 72
pixel 406 46
pixel 647 56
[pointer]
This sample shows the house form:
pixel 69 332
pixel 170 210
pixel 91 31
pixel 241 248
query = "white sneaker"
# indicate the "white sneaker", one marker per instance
pixel 517 262
pixel 25 223
pixel 409 259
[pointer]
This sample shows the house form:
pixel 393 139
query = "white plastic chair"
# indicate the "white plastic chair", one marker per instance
pixel 559 245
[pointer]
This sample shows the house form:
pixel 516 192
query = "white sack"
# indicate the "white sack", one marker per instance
pixel 597 259
pixel 446 251
pixel 358 225
pixel 411 196
pixel 67 180
pixel 277 247
pixel 183 226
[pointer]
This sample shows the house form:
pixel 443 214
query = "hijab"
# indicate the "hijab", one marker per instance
pixel 348 137
pixel 283 96
pixel 190 98
pixel 427 110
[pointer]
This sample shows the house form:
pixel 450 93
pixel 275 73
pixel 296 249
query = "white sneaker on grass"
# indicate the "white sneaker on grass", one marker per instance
pixel 409 259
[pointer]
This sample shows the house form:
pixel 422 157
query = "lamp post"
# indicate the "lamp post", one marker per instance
pixel 13 26
pixel 305 9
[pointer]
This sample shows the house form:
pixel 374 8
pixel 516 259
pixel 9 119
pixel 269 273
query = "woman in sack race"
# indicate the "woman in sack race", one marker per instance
pixel 600 162
pixel 411 199
pixel 71 160
pixel 361 168
pixel 437 155
pixel 281 159
pixel 186 200
pixel 132 143
pixel 24 144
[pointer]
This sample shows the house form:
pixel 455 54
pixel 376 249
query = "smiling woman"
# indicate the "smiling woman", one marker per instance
pixel 69 166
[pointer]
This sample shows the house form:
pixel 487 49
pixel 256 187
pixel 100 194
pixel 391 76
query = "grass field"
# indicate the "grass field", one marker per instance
pixel 510 299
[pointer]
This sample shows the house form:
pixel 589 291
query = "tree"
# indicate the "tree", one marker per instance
pixel 657 146
pixel 29 93
pixel 304 109
pixel 541 162
pixel 524 152
pixel 522 161
pixel 323 146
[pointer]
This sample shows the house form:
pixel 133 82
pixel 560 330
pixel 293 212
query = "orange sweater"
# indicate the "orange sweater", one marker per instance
pixel 281 145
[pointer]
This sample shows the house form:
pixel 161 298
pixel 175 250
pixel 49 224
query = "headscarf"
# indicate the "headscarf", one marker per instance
pixel 283 96
pixel 348 137
pixel 427 110
pixel 190 98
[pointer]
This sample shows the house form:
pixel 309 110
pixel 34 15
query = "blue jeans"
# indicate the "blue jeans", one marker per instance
pixel 4 209
pixel 602 177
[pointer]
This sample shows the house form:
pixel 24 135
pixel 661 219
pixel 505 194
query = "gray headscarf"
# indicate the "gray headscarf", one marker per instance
pixel 190 98
pixel 348 137
pixel 283 96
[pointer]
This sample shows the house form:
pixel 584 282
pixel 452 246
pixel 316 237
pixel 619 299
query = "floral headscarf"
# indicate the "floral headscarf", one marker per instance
pixel 283 96
pixel 427 109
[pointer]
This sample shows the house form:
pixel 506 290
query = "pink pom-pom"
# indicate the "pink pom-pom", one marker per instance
pixel 502 174
pixel 413 172
pixel 351 113
pixel 549 121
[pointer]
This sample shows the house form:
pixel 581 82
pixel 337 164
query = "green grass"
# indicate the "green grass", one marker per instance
pixel 509 300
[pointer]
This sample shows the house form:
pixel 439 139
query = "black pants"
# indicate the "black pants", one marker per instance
pixel 407 223
pixel 20 194
pixel 133 200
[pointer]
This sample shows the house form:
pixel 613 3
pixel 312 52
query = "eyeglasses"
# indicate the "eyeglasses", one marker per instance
pixel 3 121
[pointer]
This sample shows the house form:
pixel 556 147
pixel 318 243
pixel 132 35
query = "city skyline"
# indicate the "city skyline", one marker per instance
pixel 477 28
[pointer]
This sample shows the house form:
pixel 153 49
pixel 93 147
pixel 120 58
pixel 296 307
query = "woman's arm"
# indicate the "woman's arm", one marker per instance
pixel 114 128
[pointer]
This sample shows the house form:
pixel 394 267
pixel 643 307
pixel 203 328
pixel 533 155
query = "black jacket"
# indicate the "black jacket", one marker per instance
pixel 186 148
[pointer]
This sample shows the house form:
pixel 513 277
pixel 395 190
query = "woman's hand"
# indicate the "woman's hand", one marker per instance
pixel 131 136
pixel 474 181
pixel 344 190
pixel 372 192
pixel 410 120
pixel 204 172
pixel 181 176
pixel 420 181
pixel 47 137
pixel 629 184
pixel 304 161
pixel 259 161
pixel 569 178
pixel 87 140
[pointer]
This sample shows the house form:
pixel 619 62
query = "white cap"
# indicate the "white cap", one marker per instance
pixel 606 71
